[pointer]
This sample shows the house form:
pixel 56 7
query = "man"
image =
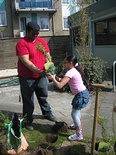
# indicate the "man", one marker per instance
pixel 31 73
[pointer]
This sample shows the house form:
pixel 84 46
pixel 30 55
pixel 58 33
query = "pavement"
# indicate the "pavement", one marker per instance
pixel 60 103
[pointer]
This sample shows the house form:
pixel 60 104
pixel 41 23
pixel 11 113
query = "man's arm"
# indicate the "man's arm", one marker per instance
pixel 25 60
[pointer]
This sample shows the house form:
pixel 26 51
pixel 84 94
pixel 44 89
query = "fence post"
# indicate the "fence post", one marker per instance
pixel 97 87
pixel 114 63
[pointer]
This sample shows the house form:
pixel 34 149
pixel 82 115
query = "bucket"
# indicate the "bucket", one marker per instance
pixel 21 34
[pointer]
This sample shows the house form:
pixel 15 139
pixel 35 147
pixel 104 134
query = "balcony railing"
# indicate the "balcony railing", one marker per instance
pixel 41 4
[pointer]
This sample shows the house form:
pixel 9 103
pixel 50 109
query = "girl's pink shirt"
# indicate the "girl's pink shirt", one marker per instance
pixel 76 83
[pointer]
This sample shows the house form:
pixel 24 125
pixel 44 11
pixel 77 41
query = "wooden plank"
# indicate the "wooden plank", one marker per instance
pixel 7 73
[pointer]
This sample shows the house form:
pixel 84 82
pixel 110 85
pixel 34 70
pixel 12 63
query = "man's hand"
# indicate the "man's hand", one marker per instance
pixel 42 73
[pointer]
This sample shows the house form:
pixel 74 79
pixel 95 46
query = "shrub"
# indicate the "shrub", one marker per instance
pixel 94 69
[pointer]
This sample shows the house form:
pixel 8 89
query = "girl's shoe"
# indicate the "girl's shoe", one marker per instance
pixel 72 126
pixel 76 136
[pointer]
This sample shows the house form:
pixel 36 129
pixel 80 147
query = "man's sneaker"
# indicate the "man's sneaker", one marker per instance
pixel 29 126
pixel 51 117
pixel 76 136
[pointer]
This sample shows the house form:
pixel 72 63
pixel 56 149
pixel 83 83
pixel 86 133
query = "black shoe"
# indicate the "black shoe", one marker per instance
pixel 51 117
pixel 29 126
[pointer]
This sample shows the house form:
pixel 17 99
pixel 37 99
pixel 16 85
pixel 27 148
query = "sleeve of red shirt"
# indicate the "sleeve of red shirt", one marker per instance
pixel 21 48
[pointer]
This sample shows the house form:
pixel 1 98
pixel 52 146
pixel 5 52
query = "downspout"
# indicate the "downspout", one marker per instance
pixel 11 18
pixel 91 36
pixel 53 25
pixel 71 39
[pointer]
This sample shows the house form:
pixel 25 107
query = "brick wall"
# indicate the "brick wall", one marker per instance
pixel 59 46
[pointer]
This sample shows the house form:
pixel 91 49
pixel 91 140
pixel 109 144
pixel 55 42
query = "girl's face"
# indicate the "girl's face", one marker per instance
pixel 66 64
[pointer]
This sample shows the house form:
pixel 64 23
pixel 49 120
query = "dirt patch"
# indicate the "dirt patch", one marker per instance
pixel 60 127
pixel 51 138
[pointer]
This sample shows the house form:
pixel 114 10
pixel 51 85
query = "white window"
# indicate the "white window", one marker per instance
pixel 65 23
pixel 44 23
pixel 3 18
pixel 23 23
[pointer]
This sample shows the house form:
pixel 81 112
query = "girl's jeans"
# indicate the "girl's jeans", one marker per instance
pixel 28 87
pixel 76 115
pixel 79 101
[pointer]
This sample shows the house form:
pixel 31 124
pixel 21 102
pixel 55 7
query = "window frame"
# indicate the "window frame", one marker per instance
pixel 106 37
pixel 3 12
pixel 44 17
pixel 65 28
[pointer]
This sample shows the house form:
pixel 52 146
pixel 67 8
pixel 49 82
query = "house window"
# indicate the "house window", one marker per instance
pixel 65 1
pixel 44 23
pixel 105 32
pixel 65 22
pixel 3 18
pixel 23 23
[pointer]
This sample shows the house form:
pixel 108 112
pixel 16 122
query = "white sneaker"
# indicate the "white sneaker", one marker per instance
pixel 76 136
pixel 72 126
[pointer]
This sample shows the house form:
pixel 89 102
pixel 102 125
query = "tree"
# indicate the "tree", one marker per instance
pixel 93 67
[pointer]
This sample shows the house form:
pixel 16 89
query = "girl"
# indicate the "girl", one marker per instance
pixel 81 94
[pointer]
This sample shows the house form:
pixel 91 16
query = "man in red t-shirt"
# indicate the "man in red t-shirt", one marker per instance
pixel 31 73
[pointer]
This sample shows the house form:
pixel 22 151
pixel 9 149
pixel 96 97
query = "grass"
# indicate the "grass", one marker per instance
pixel 37 138
pixel 34 138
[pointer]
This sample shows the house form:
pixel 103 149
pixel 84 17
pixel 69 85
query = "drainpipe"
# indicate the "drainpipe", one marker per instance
pixel 90 35
pixel 11 18
pixel 71 39
pixel 53 25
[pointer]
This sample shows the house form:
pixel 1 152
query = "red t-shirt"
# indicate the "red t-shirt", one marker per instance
pixel 25 47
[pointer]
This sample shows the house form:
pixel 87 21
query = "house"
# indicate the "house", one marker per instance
pixel 51 15
pixel 102 30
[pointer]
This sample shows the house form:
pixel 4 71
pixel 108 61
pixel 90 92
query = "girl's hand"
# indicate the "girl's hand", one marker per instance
pixel 50 76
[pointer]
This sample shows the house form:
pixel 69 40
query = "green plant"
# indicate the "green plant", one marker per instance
pixel 49 66
pixel 3 119
pixel 101 121
pixel 41 48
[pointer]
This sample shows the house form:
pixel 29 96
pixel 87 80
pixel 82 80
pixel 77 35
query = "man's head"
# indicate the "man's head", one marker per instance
pixel 32 30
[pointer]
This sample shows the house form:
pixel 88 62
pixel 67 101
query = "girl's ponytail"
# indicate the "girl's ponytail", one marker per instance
pixel 80 70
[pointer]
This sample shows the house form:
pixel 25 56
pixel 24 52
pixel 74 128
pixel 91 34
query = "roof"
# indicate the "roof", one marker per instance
pixel 97 7
pixel 102 5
